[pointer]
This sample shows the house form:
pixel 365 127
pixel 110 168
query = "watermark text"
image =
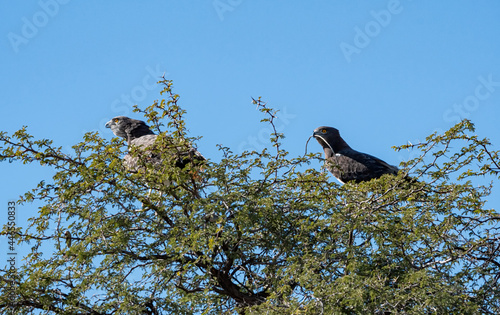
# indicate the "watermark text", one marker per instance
pixel 31 26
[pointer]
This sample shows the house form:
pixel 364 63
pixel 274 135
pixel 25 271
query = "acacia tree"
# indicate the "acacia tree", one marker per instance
pixel 253 233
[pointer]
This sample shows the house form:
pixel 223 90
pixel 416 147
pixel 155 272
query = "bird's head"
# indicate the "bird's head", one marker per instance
pixel 329 138
pixel 326 136
pixel 128 128
pixel 118 125
pixel 325 131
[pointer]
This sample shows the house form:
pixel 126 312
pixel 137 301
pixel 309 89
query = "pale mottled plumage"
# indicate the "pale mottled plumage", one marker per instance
pixel 140 137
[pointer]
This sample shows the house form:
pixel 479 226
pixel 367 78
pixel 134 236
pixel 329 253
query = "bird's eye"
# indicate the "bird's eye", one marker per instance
pixel 116 120
pixel 323 130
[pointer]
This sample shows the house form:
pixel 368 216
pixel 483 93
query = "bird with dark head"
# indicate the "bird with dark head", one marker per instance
pixel 138 134
pixel 347 164
pixel 128 128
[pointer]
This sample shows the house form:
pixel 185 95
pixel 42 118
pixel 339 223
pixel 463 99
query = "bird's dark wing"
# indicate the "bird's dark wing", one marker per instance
pixel 351 165
pixel 189 156
pixel 136 129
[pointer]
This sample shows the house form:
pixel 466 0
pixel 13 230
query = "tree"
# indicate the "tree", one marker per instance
pixel 256 232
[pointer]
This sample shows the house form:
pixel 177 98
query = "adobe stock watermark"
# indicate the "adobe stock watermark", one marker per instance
pixel 31 26
pixel 123 105
pixel 364 35
pixel 483 90
pixel 224 6
pixel 259 141
pixel 11 254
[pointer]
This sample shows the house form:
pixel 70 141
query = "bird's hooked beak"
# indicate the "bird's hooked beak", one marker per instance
pixel 109 123
pixel 317 134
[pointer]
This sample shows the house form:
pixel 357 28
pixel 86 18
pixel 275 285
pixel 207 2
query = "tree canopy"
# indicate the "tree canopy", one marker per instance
pixel 255 232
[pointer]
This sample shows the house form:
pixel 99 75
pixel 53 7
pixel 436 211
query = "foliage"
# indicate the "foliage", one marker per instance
pixel 256 232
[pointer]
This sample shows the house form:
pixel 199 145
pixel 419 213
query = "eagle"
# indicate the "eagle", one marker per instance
pixel 140 137
pixel 347 164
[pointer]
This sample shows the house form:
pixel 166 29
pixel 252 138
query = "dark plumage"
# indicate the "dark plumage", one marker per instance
pixel 347 164
pixel 139 136
pixel 128 128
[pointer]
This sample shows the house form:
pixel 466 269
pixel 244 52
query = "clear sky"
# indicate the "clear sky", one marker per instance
pixel 382 72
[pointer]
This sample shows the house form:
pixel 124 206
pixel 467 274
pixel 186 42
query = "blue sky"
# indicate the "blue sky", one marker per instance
pixel 382 72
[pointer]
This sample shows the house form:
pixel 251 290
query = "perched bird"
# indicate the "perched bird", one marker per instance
pixel 129 128
pixel 138 135
pixel 347 164
pixel 67 235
